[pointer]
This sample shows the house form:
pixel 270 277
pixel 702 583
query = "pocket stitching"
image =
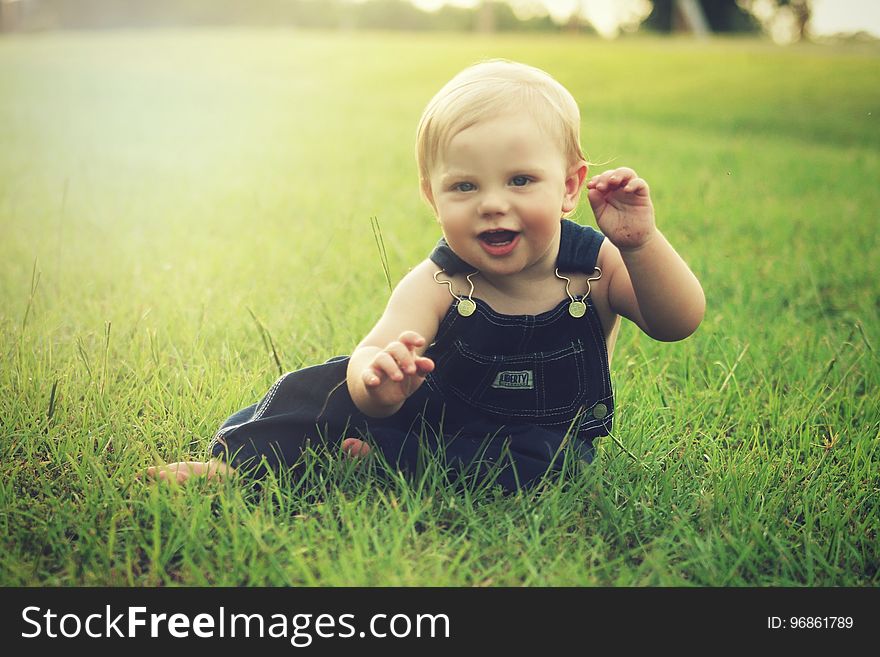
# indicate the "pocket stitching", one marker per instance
pixel 575 348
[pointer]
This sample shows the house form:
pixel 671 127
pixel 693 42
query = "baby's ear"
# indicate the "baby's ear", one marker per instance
pixel 573 184
pixel 579 171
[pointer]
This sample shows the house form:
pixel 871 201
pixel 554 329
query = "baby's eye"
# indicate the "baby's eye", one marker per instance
pixel 520 181
pixel 464 187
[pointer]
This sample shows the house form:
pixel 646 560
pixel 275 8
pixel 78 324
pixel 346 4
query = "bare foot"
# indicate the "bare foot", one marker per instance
pixel 183 470
pixel 355 448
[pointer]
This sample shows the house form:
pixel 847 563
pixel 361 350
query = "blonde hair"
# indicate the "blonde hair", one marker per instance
pixel 489 89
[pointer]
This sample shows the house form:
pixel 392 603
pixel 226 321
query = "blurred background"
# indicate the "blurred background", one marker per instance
pixel 785 21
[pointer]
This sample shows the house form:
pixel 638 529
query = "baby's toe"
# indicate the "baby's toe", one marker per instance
pixel 355 448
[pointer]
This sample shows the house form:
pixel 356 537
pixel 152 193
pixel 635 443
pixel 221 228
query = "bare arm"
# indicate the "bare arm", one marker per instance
pixel 649 282
pixel 387 366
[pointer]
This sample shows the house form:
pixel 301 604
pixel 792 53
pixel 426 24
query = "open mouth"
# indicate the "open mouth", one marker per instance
pixel 498 237
pixel 499 243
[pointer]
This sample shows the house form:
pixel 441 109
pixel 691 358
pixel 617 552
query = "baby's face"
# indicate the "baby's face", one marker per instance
pixel 499 190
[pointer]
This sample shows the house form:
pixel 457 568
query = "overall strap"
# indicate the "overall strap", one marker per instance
pixel 445 258
pixel 578 247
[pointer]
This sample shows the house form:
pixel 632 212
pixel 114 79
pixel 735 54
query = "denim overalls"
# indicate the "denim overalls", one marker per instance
pixel 505 391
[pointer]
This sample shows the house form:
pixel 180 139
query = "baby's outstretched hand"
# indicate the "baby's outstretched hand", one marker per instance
pixel 397 371
pixel 622 204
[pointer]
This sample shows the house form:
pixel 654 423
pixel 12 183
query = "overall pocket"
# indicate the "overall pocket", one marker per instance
pixel 548 385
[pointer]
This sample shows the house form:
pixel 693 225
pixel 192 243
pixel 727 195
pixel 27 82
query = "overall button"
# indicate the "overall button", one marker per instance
pixel 466 307
pixel 600 411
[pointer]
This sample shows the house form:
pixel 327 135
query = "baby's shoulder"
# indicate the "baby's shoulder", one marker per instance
pixel 423 286
pixel 608 262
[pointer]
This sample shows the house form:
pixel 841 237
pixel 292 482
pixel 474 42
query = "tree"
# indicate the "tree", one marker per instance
pixel 720 16
pixel 785 20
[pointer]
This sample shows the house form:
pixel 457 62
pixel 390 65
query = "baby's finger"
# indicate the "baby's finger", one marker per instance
pixel 606 182
pixel 612 179
pixel 403 356
pixel 637 186
pixel 411 339
pixel 620 178
pixel 385 363
pixel 424 365
pixel 597 201
pixel 372 377
pixel 623 173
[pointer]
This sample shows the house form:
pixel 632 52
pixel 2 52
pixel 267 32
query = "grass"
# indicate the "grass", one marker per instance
pixel 184 212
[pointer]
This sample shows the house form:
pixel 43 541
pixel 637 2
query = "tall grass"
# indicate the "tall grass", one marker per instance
pixel 184 213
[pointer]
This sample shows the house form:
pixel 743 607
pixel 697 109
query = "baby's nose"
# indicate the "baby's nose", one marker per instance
pixel 492 203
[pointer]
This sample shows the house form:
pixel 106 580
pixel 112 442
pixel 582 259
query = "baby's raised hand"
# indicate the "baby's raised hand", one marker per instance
pixel 622 204
pixel 397 371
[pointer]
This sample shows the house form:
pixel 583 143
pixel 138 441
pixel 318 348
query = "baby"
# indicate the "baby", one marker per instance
pixel 494 351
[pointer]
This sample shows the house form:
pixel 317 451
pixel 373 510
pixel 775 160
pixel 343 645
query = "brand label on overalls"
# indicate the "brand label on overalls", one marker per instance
pixel 523 380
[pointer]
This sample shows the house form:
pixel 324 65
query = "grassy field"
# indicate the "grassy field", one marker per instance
pixel 164 195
